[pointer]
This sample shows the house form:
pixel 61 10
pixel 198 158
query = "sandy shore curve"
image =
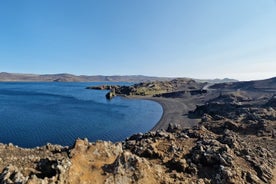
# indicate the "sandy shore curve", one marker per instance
pixel 175 111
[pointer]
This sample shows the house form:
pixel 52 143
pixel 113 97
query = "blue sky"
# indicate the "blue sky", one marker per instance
pixel 199 39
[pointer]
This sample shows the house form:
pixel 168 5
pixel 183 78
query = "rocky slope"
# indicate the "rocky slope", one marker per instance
pixel 196 155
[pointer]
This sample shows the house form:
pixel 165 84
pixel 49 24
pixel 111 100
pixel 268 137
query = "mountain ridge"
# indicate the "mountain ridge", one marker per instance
pixel 66 77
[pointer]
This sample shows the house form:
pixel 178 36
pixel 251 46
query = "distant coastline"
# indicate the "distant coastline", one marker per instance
pixel 65 77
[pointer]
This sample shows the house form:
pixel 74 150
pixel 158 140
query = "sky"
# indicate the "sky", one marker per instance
pixel 169 38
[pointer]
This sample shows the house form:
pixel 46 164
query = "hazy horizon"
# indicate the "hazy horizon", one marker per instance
pixel 195 39
pixel 132 75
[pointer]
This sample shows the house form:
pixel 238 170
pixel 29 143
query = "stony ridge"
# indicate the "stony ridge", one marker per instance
pixel 174 156
pixel 176 88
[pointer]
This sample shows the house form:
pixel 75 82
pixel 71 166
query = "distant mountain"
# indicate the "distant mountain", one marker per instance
pixel 216 80
pixel 267 84
pixel 64 77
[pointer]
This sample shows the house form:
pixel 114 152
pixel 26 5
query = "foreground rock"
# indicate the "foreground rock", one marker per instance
pixel 197 155
pixel 47 164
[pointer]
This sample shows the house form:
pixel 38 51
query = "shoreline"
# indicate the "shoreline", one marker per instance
pixel 175 111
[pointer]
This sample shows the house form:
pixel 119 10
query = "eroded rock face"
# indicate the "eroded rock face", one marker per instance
pixel 48 164
pixel 88 160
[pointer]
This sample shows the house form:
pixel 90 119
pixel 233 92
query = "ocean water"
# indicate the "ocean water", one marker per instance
pixel 33 114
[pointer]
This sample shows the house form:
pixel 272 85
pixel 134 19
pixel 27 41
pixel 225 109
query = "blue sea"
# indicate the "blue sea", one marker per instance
pixel 33 114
